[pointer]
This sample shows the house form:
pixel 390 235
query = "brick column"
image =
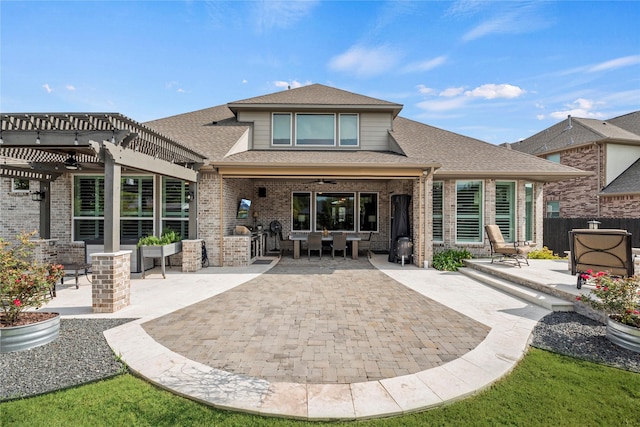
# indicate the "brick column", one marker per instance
pixel 111 282
pixel 44 251
pixel 191 255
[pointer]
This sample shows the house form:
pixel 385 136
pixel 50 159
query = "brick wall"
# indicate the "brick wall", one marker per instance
pixel 18 213
pixel 620 206
pixel 111 282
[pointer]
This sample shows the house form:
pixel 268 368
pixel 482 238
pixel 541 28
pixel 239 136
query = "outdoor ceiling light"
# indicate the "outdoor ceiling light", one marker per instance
pixel 75 141
pixel 38 138
pixel 71 163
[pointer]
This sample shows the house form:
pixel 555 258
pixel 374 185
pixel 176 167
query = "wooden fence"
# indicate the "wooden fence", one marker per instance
pixel 556 230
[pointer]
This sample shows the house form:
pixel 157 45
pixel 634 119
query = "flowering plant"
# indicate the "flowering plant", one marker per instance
pixel 23 283
pixel 618 297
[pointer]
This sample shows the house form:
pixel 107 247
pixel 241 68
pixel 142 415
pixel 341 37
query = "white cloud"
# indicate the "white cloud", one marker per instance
pixel 615 63
pixel 510 18
pixel 281 13
pixel 48 88
pixel 493 91
pixel 245 81
pixel 443 104
pixel 451 92
pixel 427 65
pixel 425 90
pixel 290 84
pixel 365 62
pixel 579 108
pixel 70 88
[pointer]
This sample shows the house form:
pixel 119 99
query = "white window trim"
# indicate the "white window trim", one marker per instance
pixel 314 225
pixel 311 212
pixel 443 214
pixel 482 205
pixel 515 207
pixel 359 226
pixel 295 126
pixel 357 130
pixel 13 186
pixel 291 136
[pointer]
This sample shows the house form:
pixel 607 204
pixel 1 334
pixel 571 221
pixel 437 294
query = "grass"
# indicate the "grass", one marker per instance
pixel 545 389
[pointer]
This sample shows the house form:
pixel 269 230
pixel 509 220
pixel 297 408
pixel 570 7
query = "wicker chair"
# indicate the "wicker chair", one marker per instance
pixel 339 244
pixel 314 243
pixel 284 244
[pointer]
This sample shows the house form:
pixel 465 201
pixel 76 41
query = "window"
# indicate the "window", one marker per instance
pixel 553 157
pixel 348 130
pixel 315 129
pixel 438 217
pixel 469 211
pixel 175 206
pixel 553 209
pixel 334 211
pixel 506 209
pixel 368 203
pixel 19 185
pixel 136 207
pixel 301 212
pixel 529 215
pixel 281 129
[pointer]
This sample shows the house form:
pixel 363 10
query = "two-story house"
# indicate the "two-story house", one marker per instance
pixel 608 149
pixel 311 158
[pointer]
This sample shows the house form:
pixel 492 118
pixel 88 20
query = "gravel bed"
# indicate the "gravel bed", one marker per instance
pixel 81 354
pixel 574 335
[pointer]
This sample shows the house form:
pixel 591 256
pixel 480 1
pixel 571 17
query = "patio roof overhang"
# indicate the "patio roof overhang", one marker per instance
pixel 43 146
pixel 326 170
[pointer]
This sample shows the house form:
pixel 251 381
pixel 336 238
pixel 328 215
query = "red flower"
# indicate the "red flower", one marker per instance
pixel 578 298
pixel 17 302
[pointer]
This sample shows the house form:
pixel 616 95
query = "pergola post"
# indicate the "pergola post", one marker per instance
pixel 112 175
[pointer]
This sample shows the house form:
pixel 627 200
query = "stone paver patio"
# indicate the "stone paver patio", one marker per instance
pixel 341 322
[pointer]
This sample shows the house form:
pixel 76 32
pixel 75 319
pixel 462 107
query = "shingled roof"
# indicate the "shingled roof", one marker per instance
pixel 574 132
pixel 628 182
pixel 215 131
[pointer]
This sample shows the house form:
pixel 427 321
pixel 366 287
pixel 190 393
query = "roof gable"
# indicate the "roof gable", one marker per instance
pixel 627 182
pixel 573 132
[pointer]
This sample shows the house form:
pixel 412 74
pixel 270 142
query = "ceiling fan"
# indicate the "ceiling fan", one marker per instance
pixel 323 181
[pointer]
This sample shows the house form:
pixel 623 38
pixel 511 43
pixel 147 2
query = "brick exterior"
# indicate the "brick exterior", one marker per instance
pixel 579 197
pixel 18 213
pixel 111 282
pixel 191 255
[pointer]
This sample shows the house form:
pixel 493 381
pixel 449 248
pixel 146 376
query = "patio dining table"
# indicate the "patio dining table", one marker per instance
pixel 297 239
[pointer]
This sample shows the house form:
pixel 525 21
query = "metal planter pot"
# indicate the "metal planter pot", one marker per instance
pixel 623 335
pixel 17 338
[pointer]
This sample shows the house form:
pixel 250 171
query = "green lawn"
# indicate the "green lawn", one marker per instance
pixel 545 389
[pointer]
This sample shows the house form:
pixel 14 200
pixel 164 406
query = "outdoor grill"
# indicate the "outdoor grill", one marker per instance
pixel 404 249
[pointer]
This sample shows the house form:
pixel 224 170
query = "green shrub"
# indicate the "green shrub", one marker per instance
pixel 451 259
pixel 544 253
pixel 167 236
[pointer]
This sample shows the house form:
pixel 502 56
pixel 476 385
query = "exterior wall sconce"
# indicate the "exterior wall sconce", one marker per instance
pixel 38 196
pixel 190 196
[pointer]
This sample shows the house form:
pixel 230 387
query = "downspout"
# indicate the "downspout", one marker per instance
pixel 598 185
pixel 221 223
pixel 426 176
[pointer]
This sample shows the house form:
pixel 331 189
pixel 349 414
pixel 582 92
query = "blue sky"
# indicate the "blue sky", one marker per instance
pixel 498 71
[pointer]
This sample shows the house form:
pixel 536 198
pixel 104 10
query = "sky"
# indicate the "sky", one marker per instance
pixel 498 71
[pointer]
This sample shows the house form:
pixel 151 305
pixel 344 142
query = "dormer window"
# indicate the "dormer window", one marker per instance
pixel 315 130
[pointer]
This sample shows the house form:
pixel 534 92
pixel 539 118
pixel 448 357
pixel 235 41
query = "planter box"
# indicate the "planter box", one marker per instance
pixel 18 338
pixel 623 335
pixel 160 252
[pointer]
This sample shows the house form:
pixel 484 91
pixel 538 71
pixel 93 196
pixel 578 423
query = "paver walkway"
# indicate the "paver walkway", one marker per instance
pixel 341 322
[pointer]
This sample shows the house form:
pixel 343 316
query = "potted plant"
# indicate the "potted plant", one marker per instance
pixel 169 243
pixel 23 285
pixel 619 299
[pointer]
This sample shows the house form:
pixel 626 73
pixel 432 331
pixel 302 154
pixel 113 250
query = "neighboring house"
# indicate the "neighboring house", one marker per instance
pixel 608 149
pixel 310 158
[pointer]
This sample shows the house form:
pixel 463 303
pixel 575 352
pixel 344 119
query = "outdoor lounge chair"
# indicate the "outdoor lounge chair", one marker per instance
pixel 600 250
pixel 504 250
pixel 314 243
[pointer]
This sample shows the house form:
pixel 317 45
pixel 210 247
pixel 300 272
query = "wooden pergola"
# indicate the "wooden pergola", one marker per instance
pixel 44 146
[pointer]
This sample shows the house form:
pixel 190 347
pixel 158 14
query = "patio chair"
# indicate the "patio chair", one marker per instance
pixel 284 244
pixel 314 243
pixel 339 243
pixel 504 250
pixel 600 250
pixel 365 244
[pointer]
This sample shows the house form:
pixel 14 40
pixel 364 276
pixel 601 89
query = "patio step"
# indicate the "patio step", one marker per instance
pixel 533 296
